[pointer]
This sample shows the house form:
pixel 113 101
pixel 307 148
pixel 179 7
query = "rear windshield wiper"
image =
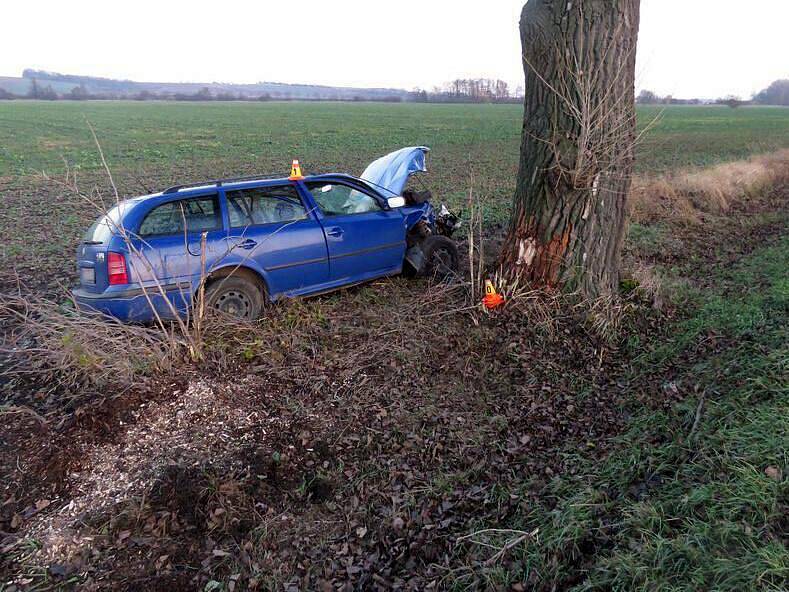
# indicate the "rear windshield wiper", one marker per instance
pixel 92 242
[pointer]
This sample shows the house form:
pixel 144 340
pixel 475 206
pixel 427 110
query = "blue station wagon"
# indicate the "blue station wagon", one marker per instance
pixel 256 240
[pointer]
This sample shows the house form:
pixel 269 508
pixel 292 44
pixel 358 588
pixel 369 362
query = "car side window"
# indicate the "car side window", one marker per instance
pixel 199 214
pixel 338 200
pixel 264 205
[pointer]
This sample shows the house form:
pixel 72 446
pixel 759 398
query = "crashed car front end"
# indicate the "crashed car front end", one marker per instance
pixel 422 221
pixel 389 175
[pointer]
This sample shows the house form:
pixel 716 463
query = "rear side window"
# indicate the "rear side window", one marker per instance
pixel 199 214
pixel 105 226
pixel 264 205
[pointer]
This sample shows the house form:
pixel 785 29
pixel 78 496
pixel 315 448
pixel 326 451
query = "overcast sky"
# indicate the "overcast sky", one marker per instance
pixel 688 48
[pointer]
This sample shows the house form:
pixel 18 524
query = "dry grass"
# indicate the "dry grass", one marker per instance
pixel 72 349
pixel 685 195
pixel 651 284
pixel 538 307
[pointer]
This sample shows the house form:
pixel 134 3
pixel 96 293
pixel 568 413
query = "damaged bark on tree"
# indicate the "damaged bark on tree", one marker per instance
pixel 569 212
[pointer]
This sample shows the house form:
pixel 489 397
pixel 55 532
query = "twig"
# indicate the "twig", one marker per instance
pixel 21 409
pixel 506 548
pixel 696 421
pixel 522 536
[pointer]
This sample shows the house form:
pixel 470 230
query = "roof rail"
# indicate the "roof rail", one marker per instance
pixel 219 182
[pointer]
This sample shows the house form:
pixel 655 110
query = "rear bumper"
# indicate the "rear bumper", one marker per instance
pixel 136 304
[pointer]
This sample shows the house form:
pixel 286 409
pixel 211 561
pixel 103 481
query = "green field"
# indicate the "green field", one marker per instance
pixel 40 135
pixel 151 145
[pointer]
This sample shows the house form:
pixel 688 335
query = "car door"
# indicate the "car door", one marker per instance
pixel 168 244
pixel 271 225
pixel 364 240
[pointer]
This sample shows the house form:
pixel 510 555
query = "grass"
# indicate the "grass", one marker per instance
pixel 35 135
pixel 185 141
pixel 701 136
pixel 696 496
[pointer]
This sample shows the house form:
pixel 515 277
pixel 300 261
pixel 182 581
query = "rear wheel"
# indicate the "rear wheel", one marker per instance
pixel 235 296
pixel 441 258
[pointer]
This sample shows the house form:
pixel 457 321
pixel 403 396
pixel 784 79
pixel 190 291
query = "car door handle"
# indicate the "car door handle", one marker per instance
pixel 336 231
pixel 247 244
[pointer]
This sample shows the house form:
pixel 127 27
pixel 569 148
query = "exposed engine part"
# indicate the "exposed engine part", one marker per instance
pixel 418 233
pixel 447 222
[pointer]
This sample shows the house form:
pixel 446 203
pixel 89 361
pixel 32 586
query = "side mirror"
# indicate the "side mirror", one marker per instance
pixel 396 202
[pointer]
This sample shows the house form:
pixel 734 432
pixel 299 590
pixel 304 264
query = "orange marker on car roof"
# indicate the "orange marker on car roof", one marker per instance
pixel 295 171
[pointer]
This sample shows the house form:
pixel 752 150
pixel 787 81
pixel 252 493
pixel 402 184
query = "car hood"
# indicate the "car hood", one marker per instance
pixel 391 172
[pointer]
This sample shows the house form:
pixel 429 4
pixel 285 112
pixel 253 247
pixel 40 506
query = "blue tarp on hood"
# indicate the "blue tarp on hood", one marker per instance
pixel 391 172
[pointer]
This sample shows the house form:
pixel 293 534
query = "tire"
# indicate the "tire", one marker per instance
pixel 441 258
pixel 235 296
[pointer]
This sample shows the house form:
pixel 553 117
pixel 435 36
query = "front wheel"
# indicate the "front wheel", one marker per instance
pixel 441 259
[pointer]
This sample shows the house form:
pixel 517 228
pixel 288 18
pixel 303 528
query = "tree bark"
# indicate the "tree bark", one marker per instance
pixel 569 210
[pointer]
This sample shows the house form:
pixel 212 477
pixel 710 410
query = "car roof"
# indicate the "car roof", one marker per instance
pixel 201 188
pixel 251 181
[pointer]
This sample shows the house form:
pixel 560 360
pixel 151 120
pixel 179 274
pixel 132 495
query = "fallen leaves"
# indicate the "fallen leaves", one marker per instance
pixel 332 468
pixel 773 473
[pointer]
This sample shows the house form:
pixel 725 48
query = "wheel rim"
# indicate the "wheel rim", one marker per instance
pixel 442 264
pixel 235 303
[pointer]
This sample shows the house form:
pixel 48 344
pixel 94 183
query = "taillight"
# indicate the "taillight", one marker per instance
pixel 116 269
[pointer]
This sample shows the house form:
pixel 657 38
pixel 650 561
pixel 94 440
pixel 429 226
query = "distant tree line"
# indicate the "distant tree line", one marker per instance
pixel 47 93
pixel 38 91
pixel 468 90
pixel 647 97
pixel 43 92
pixel 204 94
pixel 477 90
pixel 775 94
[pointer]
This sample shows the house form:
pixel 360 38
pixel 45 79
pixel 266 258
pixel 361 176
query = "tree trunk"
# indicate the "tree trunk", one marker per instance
pixel 569 212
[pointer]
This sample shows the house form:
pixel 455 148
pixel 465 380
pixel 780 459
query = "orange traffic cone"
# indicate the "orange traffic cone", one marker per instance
pixel 295 171
pixel 492 299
